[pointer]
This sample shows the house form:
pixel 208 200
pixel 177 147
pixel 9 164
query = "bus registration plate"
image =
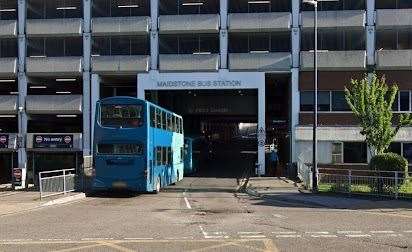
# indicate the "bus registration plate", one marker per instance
pixel 119 184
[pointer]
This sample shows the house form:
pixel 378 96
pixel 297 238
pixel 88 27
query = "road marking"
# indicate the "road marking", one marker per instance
pixel 96 239
pixel 288 236
pixel 383 232
pixel 55 239
pixel 320 232
pixel 139 238
pixel 279 216
pixel 187 201
pixel 252 236
pixel 115 246
pixel 349 232
pixel 180 238
pixel 284 232
pixel 245 233
pixel 408 231
pixel 324 236
pixel 357 235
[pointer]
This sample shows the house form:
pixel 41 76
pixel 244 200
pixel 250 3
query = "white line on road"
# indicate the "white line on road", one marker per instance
pixel 244 233
pixel 252 236
pixel 187 201
pixel 203 231
pixel 320 232
pixel 139 238
pixel 383 232
pixel 349 232
pixel 324 236
pixel 390 235
pixel 408 231
pixel 180 238
pixel 357 235
pixel 55 239
pixel 288 236
pixel 284 232
pixel 96 239
pixel 279 216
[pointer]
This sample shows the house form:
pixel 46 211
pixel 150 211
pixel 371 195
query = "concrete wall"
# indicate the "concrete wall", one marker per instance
pixel 205 23
pixel 123 64
pixel 54 104
pixel 56 27
pixel 120 25
pixel 260 61
pixel 189 62
pixel 259 22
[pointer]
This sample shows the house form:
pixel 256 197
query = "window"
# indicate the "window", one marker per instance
pixel 189 43
pixel 8 48
pixel 130 116
pixel 355 152
pixel 44 9
pixel 306 101
pixel 169 122
pixel 259 42
pixel 121 8
pixel 337 5
pixel 407 152
pixel 152 117
pixel 158 118
pixel 393 4
pixel 55 47
pixel 120 149
pixel 248 6
pixel 339 101
pixel 334 40
pixel 182 7
pixel 158 151
pixel 395 148
pixel 182 154
pixel 404 100
pixel 337 153
pixel 394 39
pixel 163 120
pixel 9 9
pixel 164 156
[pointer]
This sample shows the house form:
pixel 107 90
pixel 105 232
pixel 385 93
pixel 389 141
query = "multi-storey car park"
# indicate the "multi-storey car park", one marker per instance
pixel 225 65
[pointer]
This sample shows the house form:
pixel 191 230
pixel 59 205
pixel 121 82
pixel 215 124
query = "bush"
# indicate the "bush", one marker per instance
pixel 389 162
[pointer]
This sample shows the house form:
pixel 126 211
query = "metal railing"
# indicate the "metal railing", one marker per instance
pixel 305 174
pixel 56 182
pixel 378 183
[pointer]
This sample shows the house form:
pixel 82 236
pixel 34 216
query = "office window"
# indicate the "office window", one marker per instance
pixel 407 152
pixel 339 101
pixel 254 6
pixel 306 101
pixel 355 152
pixel 36 47
pixel 404 101
pixel 394 39
pixel 337 153
pixel 8 48
pixel 395 148
pixel 8 9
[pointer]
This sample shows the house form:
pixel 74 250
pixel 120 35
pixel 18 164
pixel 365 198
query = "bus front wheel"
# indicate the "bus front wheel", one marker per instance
pixel 157 186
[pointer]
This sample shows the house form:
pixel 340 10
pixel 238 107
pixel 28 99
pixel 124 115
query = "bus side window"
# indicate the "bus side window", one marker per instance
pixel 180 125
pixel 174 124
pixel 182 155
pixel 158 156
pixel 164 155
pixel 152 117
pixel 169 122
pixel 170 155
pixel 158 119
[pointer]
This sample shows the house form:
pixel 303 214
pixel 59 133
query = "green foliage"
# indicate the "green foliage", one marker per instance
pixel 389 162
pixel 371 99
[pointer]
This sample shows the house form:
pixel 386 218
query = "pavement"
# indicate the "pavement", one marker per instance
pixel 14 202
pixel 207 214
pixel 289 191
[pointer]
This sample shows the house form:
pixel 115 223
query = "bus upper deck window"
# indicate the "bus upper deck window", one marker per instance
pixel 122 115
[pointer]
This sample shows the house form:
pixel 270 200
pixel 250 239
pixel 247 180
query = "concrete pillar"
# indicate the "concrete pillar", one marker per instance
pixel 95 96
pixel 22 87
pixel 295 13
pixel 224 41
pixel 261 129
pixel 223 14
pixel 294 111
pixel 87 123
pixel 295 34
pixel 154 34
pixel 154 49
pixel 370 32
pixel 87 12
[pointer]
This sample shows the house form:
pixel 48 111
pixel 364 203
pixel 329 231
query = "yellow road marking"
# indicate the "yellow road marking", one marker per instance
pixel 115 246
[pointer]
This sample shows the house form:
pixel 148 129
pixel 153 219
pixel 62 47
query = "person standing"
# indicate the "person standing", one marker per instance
pixel 274 158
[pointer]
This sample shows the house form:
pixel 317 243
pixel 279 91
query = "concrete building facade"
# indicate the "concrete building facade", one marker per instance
pixel 57 58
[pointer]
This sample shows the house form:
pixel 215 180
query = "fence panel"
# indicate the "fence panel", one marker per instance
pixel 56 182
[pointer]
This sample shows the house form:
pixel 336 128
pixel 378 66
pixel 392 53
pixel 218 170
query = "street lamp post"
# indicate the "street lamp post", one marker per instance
pixel 315 94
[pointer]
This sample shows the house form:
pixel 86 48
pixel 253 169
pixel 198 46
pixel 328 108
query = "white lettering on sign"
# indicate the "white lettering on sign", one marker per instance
pixel 195 84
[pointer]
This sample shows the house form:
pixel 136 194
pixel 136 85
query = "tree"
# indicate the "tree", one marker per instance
pixel 371 99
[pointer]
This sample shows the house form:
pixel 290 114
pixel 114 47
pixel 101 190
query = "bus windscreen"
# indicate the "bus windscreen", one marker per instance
pixel 124 116
pixel 120 149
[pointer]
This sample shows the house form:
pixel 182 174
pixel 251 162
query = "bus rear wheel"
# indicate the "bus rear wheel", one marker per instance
pixel 157 186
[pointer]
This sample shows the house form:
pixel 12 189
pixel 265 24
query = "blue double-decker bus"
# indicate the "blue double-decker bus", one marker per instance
pixel 138 145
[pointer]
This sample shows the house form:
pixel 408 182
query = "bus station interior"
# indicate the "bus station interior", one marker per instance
pixel 57 58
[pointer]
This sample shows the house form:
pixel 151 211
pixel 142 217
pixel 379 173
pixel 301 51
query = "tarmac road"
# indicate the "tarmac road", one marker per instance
pixel 202 214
